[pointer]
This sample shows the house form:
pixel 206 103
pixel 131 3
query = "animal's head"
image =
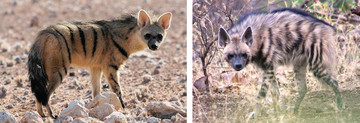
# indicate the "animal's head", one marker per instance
pixel 236 47
pixel 153 32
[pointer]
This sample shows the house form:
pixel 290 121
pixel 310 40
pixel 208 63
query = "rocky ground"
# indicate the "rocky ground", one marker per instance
pixel 146 78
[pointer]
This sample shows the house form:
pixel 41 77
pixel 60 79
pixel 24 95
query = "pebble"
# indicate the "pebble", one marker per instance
pixel 71 74
pixel 9 64
pixel 2 92
pixel 84 73
pixel 7 81
pixel 153 120
pixel 160 64
pixel 17 59
pixel 34 21
pixel 156 71
pixel 146 78
pixel 106 86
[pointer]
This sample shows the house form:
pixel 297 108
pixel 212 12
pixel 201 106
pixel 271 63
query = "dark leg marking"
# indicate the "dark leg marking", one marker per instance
pixel 116 90
pixel 114 66
pixel 61 77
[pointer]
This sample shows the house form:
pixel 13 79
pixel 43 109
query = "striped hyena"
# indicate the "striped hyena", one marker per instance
pixel 283 37
pixel 101 46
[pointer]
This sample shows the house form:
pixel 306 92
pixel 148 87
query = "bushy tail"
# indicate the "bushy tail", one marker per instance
pixel 37 73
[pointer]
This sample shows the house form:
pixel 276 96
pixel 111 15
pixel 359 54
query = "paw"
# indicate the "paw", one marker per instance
pixel 54 116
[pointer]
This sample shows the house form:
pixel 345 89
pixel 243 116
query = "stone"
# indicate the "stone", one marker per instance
pixel 100 112
pixel 7 81
pixel 152 120
pixel 110 98
pixel 166 121
pixel 10 64
pixel 6 117
pixel 17 59
pixel 164 110
pixel 86 120
pixel 75 109
pixel 179 118
pixel 2 92
pixel 146 78
pixel 31 117
pixel 67 119
pixel 115 117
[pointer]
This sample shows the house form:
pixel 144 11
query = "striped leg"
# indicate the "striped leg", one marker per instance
pixel 268 78
pixel 112 78
pixel 300 77
pixel 325 76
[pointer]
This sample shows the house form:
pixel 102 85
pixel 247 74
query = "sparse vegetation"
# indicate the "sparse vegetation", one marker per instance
pixel 235 92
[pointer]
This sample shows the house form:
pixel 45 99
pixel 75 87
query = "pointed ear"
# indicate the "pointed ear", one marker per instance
pixel 223 37
pixel 143 18
pixel 247 36
pixel 165 20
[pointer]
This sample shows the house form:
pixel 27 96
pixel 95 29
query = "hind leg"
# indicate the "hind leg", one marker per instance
pixel 56 70
pixel 324 75
pixel 39 109
pixel 300 77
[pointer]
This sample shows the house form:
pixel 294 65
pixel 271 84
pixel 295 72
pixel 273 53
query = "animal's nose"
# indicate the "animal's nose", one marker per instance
pixel 238 66
pixel 153 47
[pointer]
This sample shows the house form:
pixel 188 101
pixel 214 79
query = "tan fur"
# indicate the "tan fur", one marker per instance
pixel 101 46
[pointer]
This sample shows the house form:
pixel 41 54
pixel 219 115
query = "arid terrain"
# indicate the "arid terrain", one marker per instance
pixel 166 68
pixel 232 95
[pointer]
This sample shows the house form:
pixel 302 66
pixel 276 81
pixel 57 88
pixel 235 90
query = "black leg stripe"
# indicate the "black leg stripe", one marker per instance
pixel 61 77
pixel 112 78
pixel 67 47
pixel 82 37
pixel 95 41
pixel 114 66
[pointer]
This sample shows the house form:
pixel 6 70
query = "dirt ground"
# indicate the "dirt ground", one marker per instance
pixel 17 35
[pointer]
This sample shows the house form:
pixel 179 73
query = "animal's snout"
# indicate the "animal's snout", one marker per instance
pixel 238 67
pixel 153 47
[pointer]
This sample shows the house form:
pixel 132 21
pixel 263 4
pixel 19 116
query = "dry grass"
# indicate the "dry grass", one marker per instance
pixel 235 103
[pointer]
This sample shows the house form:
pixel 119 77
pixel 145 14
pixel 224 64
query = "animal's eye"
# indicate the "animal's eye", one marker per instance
pixel 230 56
pixel 147 36
pixel 159 37
pixel 244 55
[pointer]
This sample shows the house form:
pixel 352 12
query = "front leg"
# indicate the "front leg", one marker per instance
pixel 95 81
pixel 111 76
pixel 268 78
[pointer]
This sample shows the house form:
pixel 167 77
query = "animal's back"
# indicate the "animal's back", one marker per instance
pixel 287 36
